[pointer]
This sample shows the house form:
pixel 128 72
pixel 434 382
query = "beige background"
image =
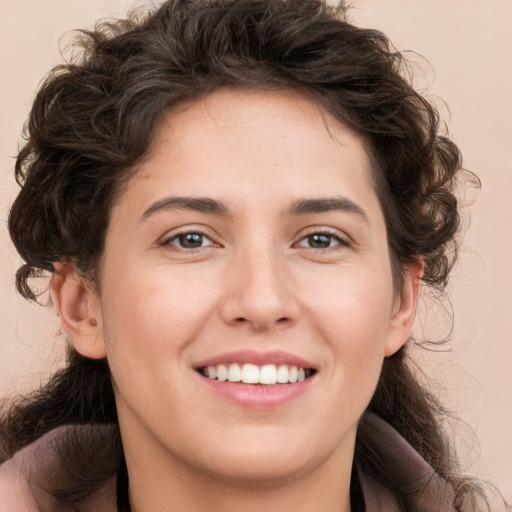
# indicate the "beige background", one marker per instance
pixel 469 45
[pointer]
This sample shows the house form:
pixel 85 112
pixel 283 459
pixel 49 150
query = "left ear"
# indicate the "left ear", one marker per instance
pixel 404 309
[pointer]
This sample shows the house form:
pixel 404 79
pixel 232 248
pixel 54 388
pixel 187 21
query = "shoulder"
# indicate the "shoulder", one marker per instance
pixel 34 478
pixel 15 492
pixel 421 487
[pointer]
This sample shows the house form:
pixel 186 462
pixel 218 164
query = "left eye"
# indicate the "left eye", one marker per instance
pixel 191 240
pixel 320 241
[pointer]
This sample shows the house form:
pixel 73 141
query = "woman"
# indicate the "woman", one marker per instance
pixel 237 203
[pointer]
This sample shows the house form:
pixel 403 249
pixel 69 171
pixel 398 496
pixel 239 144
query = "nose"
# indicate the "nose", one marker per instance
pixel 260 293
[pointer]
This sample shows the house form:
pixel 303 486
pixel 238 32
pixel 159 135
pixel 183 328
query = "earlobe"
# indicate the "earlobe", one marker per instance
pixel 404 310
pixel 77 307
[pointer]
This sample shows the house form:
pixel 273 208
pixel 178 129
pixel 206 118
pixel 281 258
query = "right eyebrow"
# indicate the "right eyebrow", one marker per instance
pixel 198 204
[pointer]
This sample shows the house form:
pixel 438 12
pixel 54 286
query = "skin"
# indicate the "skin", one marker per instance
pixel 16 493
pixel 257 282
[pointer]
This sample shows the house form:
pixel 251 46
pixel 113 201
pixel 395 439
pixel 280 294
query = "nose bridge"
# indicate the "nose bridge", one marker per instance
pixel 261 291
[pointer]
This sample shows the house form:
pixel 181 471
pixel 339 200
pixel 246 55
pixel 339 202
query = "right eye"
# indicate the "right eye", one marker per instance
pixel 189 240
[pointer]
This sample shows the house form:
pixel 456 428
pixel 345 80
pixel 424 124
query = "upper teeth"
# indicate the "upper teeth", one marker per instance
pixel 252 374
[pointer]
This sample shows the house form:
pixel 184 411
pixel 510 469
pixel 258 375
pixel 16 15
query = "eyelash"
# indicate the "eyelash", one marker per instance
pixel 340 242
pixel 182 235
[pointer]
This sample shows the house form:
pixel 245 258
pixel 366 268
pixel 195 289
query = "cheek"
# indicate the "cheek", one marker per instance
pixel 353 306
pixel 151 314
pixel 145 332
pixel 352 318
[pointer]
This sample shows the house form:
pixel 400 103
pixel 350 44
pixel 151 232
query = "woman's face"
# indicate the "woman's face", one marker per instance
pixel 250 242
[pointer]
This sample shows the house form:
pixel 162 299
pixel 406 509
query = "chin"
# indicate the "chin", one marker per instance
pixel 263 459
pixel 260 470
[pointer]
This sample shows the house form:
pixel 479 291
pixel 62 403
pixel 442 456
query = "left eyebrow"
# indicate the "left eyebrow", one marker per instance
pixel 326 204
pixel 198 204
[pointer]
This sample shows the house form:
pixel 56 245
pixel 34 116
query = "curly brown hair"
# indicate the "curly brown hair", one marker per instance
pixel 93 121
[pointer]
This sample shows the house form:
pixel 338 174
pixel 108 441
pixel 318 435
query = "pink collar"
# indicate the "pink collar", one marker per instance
pixel 425 491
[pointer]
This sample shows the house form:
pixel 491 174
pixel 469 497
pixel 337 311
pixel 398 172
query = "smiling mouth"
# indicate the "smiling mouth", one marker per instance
pixel 268 374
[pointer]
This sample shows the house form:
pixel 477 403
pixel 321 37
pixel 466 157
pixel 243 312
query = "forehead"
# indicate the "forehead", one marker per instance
pixel 254 132
pixel 258 154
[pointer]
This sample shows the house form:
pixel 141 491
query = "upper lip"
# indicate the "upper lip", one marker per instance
pixel 257 358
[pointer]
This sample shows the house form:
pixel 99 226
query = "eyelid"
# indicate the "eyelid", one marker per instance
pixel 184 230
pixel 344 240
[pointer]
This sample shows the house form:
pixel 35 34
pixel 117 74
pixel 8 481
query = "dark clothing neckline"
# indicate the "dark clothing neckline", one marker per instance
pixel 123 503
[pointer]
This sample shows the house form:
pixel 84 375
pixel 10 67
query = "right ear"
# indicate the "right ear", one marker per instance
pixel 77 305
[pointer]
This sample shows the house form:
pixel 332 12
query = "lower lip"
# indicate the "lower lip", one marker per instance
pixel 258 397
